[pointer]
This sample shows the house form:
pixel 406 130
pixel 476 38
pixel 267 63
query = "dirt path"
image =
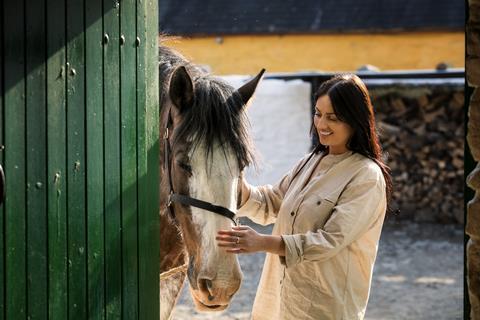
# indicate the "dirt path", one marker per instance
pixel 418 275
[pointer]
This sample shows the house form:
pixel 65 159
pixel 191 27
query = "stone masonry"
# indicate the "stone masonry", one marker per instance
pixel 473 140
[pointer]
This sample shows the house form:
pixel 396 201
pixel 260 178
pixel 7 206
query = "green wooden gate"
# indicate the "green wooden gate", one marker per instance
pixel 79 147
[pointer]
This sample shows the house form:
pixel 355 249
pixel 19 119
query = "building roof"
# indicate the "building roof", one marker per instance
pixel 222 17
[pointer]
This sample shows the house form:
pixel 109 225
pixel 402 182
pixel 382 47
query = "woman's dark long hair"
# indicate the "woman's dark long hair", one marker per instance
pixel 351 103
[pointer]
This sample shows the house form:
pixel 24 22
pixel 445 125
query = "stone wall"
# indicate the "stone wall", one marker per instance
pixel 473 140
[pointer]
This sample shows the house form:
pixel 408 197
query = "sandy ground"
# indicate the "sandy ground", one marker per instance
pixel 418 275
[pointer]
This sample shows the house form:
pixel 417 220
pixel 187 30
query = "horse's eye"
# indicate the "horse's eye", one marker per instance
pixel 185 166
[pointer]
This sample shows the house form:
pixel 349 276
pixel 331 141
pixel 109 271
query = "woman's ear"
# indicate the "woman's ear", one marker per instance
pixel 181 89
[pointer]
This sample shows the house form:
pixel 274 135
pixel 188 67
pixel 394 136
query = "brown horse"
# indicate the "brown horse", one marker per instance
pixel 204 151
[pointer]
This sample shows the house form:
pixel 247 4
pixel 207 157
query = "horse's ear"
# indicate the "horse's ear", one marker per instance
pixel 181 89
pixel 246 91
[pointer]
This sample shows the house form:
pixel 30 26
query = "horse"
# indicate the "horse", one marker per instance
pixel 206 145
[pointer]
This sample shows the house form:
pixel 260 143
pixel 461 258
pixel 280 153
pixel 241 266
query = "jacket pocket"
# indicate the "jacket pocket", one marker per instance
pixel 313 213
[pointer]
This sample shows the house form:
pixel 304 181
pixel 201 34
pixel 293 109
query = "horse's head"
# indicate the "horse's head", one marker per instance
pixel 209 148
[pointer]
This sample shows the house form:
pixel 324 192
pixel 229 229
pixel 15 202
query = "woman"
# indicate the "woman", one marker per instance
pixel 328 213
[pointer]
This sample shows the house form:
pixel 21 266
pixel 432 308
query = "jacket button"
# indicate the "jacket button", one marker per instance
pixel 292 213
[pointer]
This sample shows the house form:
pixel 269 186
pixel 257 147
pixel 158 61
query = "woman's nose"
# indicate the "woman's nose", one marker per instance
pixel 320 122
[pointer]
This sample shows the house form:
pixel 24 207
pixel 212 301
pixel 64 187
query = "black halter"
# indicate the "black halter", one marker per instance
pixel 183 199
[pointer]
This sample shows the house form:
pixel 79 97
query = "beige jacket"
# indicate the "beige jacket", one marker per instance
pixel 330 218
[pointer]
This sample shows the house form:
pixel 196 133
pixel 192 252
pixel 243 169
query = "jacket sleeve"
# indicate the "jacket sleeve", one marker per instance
pixel 356 211
pixel 264 202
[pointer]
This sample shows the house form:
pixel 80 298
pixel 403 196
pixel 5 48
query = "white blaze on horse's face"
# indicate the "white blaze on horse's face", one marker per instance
pixel 215 180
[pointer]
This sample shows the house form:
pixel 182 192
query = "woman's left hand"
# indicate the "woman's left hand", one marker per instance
pixel 241 239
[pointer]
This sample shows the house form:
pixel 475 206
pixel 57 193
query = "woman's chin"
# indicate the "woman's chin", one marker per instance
pixel 324 141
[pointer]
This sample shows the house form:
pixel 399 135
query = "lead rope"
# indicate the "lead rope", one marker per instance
pixel 170 273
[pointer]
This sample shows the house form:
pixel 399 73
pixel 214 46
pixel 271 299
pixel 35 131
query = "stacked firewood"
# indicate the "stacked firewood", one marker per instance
pixel 422 133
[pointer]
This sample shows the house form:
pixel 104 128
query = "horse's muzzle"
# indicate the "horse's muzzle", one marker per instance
pixel 214 295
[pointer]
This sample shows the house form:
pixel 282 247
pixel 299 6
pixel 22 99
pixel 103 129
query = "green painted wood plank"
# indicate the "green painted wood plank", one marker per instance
pixel 2 163
pixel 147 101
pixel 152 109
pixel 113 258
pixel 77 262
pixel 36 162
pixel 37 302
pixel 95 171
pixel 56 155
pixel 143 260
pixel 128 160
pixel 15 224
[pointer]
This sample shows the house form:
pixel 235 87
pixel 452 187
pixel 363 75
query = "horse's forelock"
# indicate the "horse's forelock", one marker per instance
pixel 217 116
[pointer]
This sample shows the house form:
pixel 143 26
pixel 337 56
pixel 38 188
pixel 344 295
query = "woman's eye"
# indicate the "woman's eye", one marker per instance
pixel 328 117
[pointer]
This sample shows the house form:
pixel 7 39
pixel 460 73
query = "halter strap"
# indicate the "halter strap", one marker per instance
pixel 188 201
pixel 166 162
pixel 183 199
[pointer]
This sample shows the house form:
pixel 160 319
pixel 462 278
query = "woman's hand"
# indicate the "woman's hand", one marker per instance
pixel 243 239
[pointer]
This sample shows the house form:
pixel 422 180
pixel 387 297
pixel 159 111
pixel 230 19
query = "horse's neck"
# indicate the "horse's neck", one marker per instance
pixel 169 293
pixel 171 256
pixel 171 245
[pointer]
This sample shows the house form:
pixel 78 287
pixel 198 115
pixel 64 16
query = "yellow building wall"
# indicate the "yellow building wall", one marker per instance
pixel 322 52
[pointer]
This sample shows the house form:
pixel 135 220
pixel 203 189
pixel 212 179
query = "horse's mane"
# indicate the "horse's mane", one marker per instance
pixel 214 116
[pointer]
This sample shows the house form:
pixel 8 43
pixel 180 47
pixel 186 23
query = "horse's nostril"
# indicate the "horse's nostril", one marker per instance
pixel 209 284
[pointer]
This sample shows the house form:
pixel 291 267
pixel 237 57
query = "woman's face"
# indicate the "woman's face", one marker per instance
pixel 331 131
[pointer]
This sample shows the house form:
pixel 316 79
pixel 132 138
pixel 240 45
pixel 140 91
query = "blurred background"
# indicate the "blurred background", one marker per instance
pixel 411 56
